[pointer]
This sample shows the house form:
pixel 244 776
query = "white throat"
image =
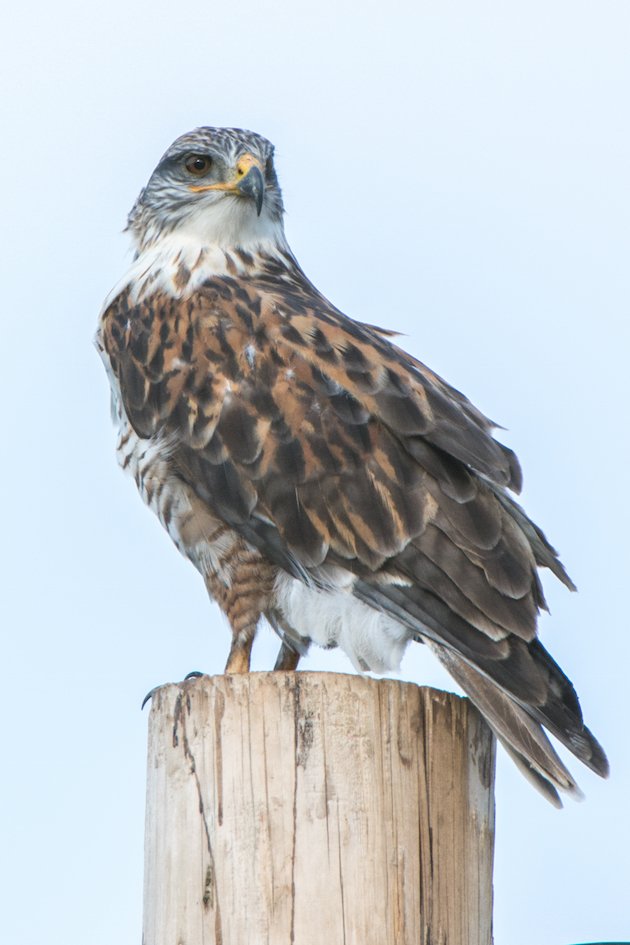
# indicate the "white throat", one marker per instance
pixel 232 221
pixel 228 222
pixel 203 245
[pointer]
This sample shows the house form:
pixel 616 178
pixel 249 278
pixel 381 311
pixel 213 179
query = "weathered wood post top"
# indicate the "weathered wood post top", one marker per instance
pixel 316 809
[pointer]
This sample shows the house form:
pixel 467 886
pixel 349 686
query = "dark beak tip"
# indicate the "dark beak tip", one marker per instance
pixel 253 185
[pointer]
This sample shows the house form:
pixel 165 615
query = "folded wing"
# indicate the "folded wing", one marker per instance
pixel 323 443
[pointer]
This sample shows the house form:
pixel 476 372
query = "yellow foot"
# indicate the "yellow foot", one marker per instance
pixel 238 661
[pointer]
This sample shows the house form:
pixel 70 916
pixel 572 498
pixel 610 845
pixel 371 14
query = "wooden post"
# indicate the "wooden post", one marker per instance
pixel 317 809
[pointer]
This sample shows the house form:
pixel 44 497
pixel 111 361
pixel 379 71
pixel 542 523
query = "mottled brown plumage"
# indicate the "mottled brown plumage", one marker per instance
pixel 298 457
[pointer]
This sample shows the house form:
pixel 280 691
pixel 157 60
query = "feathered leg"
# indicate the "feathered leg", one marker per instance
pixel 241 585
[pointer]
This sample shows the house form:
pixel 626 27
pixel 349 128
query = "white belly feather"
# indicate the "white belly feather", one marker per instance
pixel 373 640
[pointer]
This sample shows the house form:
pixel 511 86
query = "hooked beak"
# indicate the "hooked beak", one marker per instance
pixel 249 181
pixel 252 184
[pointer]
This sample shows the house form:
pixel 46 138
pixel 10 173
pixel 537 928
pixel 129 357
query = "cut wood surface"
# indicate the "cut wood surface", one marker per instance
pixel 315 809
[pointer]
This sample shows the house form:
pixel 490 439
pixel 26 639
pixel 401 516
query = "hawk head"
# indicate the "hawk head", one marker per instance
pixel 218 185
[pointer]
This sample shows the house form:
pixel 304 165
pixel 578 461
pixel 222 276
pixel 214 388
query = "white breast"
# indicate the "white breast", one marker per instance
pixel 158 266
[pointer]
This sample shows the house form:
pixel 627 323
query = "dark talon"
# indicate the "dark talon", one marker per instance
pixel 149 696
pixel 195 674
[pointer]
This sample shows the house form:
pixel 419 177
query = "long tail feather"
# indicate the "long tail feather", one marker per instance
pixel 521 735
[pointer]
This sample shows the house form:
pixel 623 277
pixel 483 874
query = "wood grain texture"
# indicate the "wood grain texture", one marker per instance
pixel 315 809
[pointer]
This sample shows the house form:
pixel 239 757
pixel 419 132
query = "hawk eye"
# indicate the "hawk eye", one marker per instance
pixel 198 164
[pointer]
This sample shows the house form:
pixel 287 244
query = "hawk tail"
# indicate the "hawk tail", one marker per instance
pixel 522 735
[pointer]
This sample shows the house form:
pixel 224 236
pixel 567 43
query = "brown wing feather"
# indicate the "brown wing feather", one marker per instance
pixel 322 442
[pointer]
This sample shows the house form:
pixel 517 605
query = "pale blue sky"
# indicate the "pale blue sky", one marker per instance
pixel 457 171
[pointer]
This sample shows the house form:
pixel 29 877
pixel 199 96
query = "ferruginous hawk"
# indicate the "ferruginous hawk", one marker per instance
pixel 314 473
